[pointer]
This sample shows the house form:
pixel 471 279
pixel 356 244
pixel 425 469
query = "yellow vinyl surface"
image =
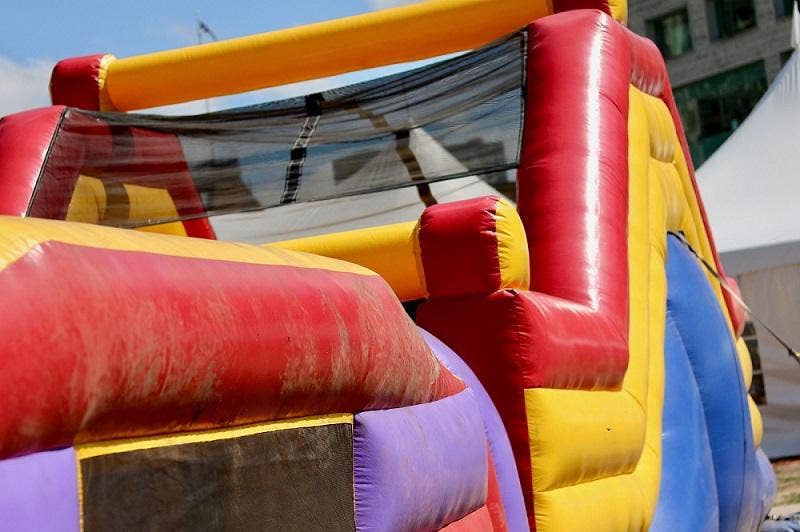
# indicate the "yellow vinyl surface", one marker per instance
pixel 88 450
pixel 88 205
pixel 619 10
pixel 611 429
pixel 389 250
pixel 747 373
pixel 148 203
pixel 586 478
pixel 20 235
pixel 393 252
pixel 746 361
pixel 512 247
pixel 88 202
pixel 397 35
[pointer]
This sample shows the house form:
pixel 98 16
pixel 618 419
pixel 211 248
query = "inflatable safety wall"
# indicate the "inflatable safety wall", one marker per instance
pixel 156 382
pixel 576 364
pixel 562 362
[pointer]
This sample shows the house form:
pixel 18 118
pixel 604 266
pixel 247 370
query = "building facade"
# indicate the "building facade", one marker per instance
pixel 721 55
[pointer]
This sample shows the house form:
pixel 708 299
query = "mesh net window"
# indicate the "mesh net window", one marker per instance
pixel 459 118
pixel 293 479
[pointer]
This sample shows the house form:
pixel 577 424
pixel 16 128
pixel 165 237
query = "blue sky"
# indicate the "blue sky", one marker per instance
pixel 34 34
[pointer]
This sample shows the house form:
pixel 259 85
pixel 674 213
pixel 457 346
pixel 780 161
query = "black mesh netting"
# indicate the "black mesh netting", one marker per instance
pixel 461 117
pixel 293 479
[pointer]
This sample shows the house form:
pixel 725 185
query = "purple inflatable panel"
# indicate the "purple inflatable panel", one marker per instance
pixel 39 492
pixel 419 467
pixel 768 487
pixel 499 445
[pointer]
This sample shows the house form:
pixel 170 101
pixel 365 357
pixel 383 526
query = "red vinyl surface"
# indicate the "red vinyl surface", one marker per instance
pixel 571 329
pixel 150 150
pixel 156 146
pixel 478 521
pixel 737 312
pixel 105 344
pixel 494 500
pixel 571 5
pixel 515 340
pixel 24 141
pixel 576 225
pixel 74 82
pixel 459 247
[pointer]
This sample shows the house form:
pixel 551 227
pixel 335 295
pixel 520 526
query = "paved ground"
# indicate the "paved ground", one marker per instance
pixel 788 473
pixel 785 513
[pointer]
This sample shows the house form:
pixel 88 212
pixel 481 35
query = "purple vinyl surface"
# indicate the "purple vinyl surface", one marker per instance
pixel 499 445
pixel 419 467
pixel 39 492
pixel 768 487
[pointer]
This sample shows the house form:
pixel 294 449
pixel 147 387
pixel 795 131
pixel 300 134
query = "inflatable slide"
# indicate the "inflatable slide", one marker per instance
pixel 322 313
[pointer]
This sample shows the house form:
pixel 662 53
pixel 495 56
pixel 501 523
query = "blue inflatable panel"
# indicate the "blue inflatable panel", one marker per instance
pixel 688 497
pixel 704 333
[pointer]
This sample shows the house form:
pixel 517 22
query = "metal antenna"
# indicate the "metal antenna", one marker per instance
pixel 201 28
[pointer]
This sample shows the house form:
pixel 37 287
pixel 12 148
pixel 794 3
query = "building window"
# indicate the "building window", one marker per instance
pixel 783 8
pixel 729 17
pixel 712 108
pixel 671 34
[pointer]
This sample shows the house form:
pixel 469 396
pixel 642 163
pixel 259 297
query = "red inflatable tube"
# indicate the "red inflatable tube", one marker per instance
pixel 458 243
pixel 105 344
pixel 74 82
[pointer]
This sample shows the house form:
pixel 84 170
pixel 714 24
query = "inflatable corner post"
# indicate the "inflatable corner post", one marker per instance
pixel 409 351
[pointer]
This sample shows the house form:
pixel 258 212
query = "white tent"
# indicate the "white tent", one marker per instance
pixel 751 190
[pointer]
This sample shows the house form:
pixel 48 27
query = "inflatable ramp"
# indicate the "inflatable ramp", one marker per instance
pixel 406 349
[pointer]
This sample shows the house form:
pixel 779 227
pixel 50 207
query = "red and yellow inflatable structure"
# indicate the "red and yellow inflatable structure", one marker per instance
pixel 567 364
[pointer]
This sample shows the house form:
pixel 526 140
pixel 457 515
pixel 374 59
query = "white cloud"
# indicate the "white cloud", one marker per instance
pixel 384 4
pixel 24 85
pixel 183 33
pixel 293 89
pixel 195 107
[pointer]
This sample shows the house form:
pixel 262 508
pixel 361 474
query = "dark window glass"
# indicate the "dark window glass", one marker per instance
pixel 712 108
pixel 783 8
pixel 671 33
pixel 729 17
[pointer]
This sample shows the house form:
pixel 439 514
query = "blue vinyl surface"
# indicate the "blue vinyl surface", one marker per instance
pixel 688 496
pixel 704 385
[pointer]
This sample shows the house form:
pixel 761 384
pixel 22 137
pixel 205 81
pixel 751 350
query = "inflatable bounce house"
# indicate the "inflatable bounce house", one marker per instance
pixel 563 361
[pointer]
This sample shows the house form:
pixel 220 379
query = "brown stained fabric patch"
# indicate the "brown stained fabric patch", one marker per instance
pixel 294 479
